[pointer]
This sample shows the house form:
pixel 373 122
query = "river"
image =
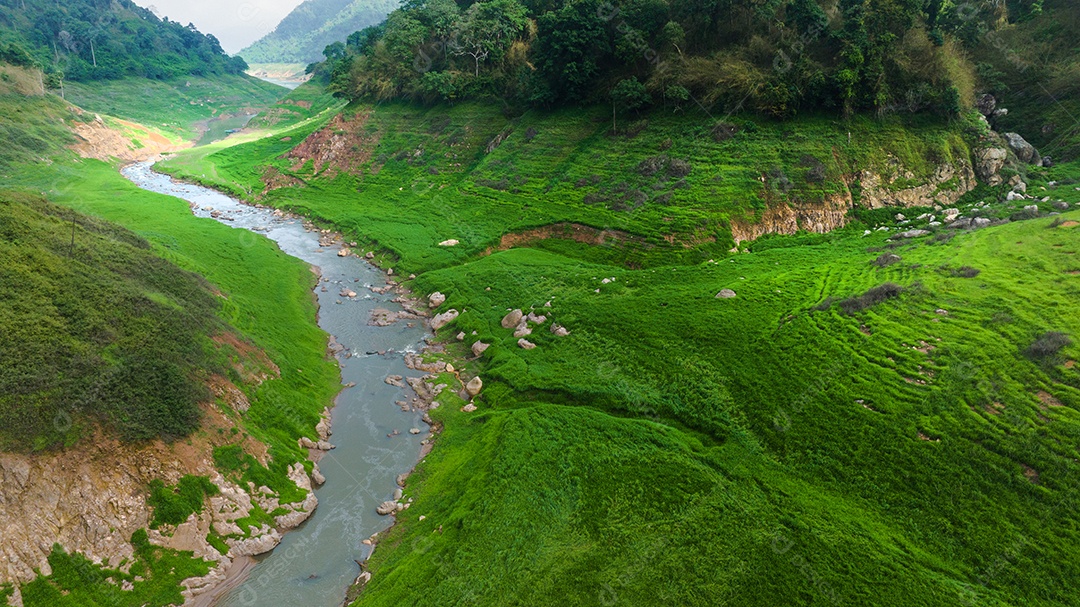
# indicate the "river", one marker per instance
pixel 315 563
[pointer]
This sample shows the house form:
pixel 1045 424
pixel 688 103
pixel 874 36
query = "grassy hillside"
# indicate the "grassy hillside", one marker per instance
pixel 310 27
pixel 124 306
pixel 180 106
pixel 97 329
pixel 845 415
pixel 670 183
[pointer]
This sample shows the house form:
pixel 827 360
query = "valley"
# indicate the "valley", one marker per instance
pixel 556 324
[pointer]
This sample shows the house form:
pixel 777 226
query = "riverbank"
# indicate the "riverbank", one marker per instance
pixel 334 293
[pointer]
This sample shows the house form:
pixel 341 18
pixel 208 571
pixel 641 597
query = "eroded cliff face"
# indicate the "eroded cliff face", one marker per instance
pixel 899 188
pixel 91 498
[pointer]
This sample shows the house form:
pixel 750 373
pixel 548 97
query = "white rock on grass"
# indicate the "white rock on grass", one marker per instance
pixel 449 243
pixel 474 386
pixel 725 294
pixel 526 344
pixel 512 319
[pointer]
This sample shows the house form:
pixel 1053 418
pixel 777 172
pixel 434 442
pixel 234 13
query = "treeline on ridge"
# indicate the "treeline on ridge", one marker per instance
pixel 86 40
pixel 777 57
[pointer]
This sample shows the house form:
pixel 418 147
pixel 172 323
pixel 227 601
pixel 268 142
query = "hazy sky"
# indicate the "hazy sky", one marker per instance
pixel 236 23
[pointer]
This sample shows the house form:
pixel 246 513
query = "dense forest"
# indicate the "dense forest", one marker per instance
pixel 106 39
pixel 777 57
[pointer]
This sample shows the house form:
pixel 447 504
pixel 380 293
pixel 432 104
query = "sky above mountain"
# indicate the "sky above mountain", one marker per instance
pixel 236 23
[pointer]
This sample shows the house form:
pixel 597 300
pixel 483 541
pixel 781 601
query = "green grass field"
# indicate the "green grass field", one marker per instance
pixel 178 106
pixel 676 448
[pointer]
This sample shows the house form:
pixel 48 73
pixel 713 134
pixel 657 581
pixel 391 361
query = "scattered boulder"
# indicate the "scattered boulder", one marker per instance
pixel 441 320
pixel 512 319
pixel 914 233
pixel 474 386
pixel 960 224
pixel 413 431
pixel 1061 205
pixel 1014 195
pixel 449 243
pixel 387 507
pixel 343 252
pixel 460 336
pixel 988 164
pixel 479 347
pixel 559 330
pixel 980 222
pixel 526 344
pixel 1032 208
pixel 725 294
pixel 436 299
pixel 1020 187
pixel 369 255
pixel 394 380
pixel 1023 150
pixel 522 330
pixel 986 105
pixel 469 408
pixel 536 319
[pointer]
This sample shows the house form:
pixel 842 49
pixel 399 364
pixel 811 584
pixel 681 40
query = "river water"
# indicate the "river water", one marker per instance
pixel 315 563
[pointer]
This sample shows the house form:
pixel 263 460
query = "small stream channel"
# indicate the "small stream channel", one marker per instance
pixel 315 563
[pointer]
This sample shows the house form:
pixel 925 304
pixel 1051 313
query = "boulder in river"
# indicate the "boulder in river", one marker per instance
pixel 387 507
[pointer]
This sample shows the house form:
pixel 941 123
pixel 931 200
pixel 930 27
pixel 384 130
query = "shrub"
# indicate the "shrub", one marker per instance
pixel 966 272
pixel 886 259
pixel 1048 346
pixel 678 168
pixel 874 296
pixel 652 165
pixel 173 505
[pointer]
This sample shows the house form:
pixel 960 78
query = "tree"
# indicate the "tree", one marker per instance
pixel 487 28
pixel 628 95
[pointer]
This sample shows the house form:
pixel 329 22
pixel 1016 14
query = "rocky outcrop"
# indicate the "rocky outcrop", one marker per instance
pixel 91 498
pixel 1025 152
pixel 948 183
pixel 989 160
pixel 828 215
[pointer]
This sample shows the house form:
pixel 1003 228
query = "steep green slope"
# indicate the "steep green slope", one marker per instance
pixel 96 329
pixel 309 28
pixel 92 40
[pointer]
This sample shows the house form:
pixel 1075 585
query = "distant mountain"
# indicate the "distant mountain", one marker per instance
pixel 104 40
pixel 304 33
